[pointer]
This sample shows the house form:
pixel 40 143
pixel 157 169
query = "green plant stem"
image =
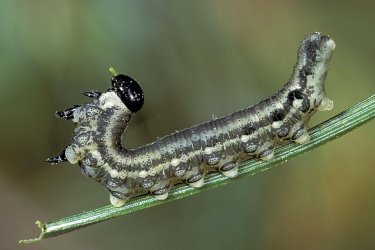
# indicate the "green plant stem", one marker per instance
pixel 327 131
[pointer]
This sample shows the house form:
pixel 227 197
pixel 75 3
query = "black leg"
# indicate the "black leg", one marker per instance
pixel 92 94
pixel 57 159
pixel 68 113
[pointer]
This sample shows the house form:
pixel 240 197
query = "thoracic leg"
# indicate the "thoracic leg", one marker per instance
pixel 57 159
pixel 92 94
pixel 67 113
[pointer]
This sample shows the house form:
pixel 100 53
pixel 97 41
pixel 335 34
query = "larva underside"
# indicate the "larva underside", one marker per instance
pixel 187 155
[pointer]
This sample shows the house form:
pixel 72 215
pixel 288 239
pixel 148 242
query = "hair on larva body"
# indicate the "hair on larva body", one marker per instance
pixel 187 155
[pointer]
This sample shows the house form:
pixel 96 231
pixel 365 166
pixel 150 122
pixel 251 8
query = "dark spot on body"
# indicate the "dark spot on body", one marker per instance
pixel 161 191
pixel 311 47
pixel 278 115
pixel 306 71
pixel 249 146
pixel 213 158
pixel 113 182
pixel 294 95
pixel 195 178
pixel 121 196
pixel 147 182
pixel 84 171
pixel 228 166
pixel 249 129
pixel 180 169
pixel 282 132
pixel 265 152
pixel 305 105
pixel 179 172
pixel 297 134
pixel 317 102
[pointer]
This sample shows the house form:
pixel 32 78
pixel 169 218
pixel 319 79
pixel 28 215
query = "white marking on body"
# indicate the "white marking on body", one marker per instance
pixel 245 138
pixel 208 150
pixel 122 174
pixel 113 173
pixel 161 167
pixel 277 124
pixel 184 158
pixel 110 99
pixel 297 103
pixel 152 171
pixel 175 162
pixel 133 174
pixel 143 173
pixel 71 155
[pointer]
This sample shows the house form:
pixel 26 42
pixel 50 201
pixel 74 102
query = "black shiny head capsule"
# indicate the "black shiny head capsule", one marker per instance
pixel 129 92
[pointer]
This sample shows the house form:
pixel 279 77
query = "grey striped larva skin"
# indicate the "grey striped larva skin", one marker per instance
pixel 187 155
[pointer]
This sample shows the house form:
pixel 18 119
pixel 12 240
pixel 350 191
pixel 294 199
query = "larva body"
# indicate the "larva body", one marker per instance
pixel 187 155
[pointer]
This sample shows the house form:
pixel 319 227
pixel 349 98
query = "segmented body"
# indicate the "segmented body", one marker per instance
pixel 219 144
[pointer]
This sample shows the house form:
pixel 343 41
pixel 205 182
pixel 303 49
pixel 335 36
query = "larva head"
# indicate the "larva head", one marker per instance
pixel 129 92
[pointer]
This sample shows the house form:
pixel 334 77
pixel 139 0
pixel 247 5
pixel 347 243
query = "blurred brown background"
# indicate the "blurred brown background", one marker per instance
pixel 194 59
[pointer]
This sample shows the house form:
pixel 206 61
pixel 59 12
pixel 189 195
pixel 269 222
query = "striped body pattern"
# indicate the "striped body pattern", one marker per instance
pixel 187 155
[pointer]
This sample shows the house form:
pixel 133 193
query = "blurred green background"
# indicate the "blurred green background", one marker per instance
pixel 194 59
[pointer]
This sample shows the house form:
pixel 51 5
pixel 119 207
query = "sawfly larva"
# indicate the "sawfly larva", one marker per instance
pixel 187 155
